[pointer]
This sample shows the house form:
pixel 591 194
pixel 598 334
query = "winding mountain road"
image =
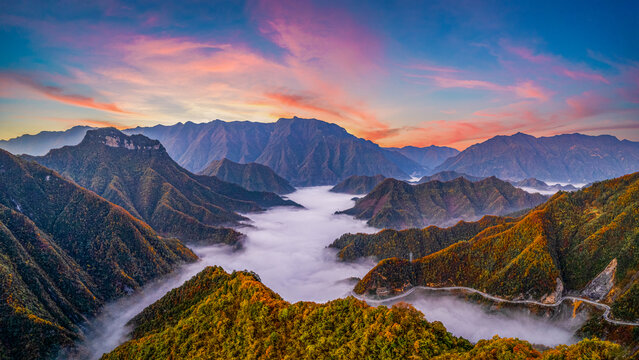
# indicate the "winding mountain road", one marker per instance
pixel 606 308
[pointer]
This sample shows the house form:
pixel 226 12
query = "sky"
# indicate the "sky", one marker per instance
pixel 448 73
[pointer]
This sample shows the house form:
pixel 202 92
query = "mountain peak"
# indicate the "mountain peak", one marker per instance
pixel 114 138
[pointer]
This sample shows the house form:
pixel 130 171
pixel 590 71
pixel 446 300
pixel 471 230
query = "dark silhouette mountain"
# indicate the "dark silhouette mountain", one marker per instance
pixel 217 315
pixel 303 151
pixel 572 158
pixel 582 242
pixel 136 173
pixel 448 176
pixel 416 242
pixel 42 142
pixel 429 156
pixel 540 185
pixel 64 252
pixel 358 184
pixel 251 176
pixel 396 204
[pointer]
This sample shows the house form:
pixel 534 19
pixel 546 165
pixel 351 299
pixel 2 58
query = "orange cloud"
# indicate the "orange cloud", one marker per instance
pixel 58 94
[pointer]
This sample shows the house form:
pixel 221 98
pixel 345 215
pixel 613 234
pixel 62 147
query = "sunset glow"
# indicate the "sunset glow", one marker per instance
pixel 401 74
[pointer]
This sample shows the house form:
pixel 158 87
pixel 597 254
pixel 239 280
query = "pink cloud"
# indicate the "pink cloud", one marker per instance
pixel 526 53
pixel 585 75
pixel 58 94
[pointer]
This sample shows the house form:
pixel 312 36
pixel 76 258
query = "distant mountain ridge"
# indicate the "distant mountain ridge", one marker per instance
pixel 42 142
pixel 398 205
pixel 251 176
pixel 306 152
pixel 65 252
pixel 573 158
pixel 430 156
pixel 136 173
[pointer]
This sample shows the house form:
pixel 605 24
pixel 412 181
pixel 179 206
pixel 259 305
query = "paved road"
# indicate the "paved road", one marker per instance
pixel 606 308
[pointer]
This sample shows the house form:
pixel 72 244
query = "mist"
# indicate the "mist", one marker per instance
pixel 286 247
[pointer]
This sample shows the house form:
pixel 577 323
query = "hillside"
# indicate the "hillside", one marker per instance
pixel 217 315
pixel 559 247
pixel 418 242
pixel 396 204
pixel 305 152
pixel 429 156
pixel 136 173
pixel 251 176
pixel 447 176
pixel 64 252
pixel 358 184
pixel 573 158
pixel 42 142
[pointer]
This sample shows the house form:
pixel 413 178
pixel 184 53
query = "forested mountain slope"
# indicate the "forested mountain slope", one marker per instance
pixel 560 246
pixel 217 315
pixel 64 252
pixel 136 173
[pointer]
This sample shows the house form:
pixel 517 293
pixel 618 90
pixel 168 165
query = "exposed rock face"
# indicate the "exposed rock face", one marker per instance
pixel 601 285
pixel 554 296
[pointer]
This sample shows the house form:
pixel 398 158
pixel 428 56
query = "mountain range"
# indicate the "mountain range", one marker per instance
pixel 313 152
pixel 573 158
pixel 136 173
pixel 536 184
pixel 397 204
pixel 251 176
pixel 583 242
pixel 64 252
pixel 303 151
pixel 217 315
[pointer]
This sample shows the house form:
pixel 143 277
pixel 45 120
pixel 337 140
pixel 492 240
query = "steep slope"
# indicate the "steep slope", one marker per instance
pixel 136 173
pixel 303 151
pixel 194 146
pixel 251 176
pixel 313 152
pixel 64 251
pixel 428 157
pixel 447 176
pixel 216 315
pixel 560 246
pixel 396 204
pixel 42 142
pixel 416 242
pixel 574 158
pixel 358 184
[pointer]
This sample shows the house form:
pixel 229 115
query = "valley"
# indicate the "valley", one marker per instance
pixel 287 249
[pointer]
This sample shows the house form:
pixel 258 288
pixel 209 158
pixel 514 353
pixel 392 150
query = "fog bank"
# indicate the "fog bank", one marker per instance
pixel 286 247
